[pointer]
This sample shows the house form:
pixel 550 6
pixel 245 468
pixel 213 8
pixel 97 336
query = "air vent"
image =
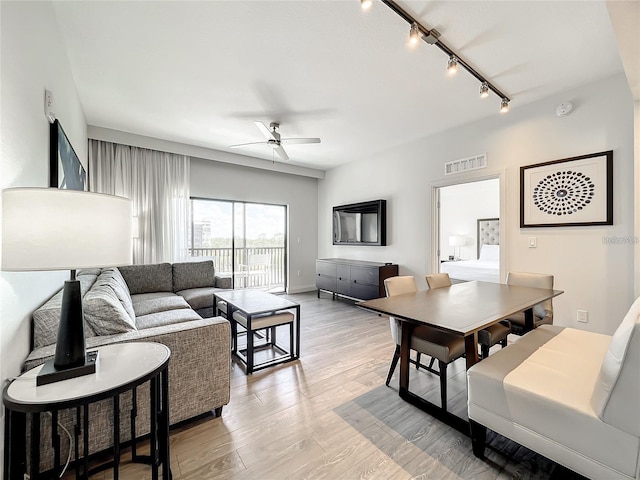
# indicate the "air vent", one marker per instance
pixel 465 164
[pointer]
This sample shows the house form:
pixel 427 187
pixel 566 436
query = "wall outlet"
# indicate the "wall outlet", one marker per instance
pixel 583 316
pixel 533 242
pixel 299 273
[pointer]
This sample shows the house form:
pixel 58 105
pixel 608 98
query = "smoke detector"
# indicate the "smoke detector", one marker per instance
pixel 564 109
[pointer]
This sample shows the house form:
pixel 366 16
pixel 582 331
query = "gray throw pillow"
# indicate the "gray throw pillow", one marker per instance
pixel 104 311
pixel 148 278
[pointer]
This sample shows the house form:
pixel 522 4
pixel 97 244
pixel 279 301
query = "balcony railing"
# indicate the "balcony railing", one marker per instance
pixel 269 277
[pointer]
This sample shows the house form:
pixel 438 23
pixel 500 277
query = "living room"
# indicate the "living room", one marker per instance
pixel 597 275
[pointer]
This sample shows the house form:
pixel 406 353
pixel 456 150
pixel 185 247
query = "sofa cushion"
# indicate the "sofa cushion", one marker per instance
pixel 616 395
pixel 198 298
pixel 158 303
pixel 104 311
pixel 47 318
pixel 166 318
pixel 190 275
pixel 148 278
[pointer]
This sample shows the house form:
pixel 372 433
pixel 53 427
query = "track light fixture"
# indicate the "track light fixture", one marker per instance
pixel 484 90
pixel 432 37
pixel 366 4
pixel 414 35
pixel 452 65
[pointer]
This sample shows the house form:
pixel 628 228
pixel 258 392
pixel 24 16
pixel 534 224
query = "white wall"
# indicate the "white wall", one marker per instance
pixel 460 208
pixel 33 58
pixel 596 277
pixel 225 181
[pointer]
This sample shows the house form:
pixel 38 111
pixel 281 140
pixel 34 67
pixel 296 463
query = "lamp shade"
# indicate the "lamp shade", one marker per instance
pixel 456 241
pixel 53 229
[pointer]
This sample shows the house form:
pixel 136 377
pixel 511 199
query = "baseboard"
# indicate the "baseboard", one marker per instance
pixel 302 289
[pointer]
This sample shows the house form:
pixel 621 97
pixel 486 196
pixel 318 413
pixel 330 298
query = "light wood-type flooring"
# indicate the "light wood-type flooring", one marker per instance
pixel 330 416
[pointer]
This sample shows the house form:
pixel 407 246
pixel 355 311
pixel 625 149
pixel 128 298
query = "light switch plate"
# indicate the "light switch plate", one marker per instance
pixel 533 242
pixel 583 316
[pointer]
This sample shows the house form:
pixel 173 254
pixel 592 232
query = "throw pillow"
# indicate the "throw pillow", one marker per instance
pixel 104 312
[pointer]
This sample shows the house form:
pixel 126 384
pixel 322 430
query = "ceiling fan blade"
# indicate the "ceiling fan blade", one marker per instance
pixel 280 151
pixel 268 134
pixel 291 141
pixel 247 144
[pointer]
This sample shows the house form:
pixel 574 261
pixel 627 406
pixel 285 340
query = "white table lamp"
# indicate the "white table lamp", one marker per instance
pixel 456 241
pixel 52 229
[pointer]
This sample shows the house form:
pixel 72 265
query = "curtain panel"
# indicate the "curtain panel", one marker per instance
pixel 158 185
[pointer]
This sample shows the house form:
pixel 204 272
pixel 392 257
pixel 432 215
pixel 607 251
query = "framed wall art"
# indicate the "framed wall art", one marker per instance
pixel 568 192
pixel 65 169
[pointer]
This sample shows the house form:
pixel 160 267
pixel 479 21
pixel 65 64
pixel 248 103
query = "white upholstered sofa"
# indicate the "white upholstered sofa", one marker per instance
pixel 570 395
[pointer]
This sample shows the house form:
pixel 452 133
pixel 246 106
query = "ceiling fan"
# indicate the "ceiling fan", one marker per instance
pixel 274 140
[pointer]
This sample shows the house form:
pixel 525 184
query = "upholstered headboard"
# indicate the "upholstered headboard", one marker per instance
pixel 488 232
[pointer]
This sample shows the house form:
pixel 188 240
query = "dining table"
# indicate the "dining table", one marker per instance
pixel 462 309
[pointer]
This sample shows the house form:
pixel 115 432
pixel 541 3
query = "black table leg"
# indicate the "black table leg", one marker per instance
pixel 85 440
pixel 134 414
pixel 249 346
pixel 528 320
pixel 34 457
pixel 116 437
pixel 76 436
pixel 15 455
pixel 153 434
pixel 297 331
pixel 164 426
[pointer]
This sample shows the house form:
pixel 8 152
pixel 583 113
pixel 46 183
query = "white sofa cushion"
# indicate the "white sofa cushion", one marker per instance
pixel 616 396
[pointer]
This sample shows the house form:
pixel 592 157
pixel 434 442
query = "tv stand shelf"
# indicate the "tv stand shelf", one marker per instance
pixel 356 279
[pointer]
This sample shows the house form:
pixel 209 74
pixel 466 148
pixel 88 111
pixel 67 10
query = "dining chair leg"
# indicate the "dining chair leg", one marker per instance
pixel 417 360
pixel 442 367
pixel 503 342
pixel 484 351
pixel 432 362
pixel 394 362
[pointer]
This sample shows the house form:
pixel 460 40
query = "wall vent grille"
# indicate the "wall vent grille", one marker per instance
pixel 465 164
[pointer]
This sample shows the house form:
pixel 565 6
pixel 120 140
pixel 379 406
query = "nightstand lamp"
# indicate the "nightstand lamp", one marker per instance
pixel 52 229
pixel 456 241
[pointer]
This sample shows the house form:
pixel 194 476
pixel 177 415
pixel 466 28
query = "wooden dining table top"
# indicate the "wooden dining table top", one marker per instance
pixel 462 308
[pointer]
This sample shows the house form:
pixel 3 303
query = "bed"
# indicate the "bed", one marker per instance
pixel 487 267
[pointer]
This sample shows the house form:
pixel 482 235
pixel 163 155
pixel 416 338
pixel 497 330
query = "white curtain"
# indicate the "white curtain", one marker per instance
pixel 158 185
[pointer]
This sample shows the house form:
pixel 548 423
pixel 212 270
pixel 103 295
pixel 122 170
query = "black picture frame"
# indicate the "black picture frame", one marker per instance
pixel 65 169
pixel 576 191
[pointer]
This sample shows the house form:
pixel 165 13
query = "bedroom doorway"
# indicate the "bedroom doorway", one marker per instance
pixel 468 230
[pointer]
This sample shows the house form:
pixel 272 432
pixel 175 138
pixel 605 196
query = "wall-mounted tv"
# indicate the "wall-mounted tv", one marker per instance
pixel 362 223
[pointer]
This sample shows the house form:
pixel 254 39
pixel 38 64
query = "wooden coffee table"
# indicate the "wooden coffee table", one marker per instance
pixel 256 309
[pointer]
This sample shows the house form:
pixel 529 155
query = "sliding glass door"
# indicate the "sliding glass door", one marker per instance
pixel 246 241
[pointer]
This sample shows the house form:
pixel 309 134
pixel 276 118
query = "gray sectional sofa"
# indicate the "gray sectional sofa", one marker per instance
pixel 162 303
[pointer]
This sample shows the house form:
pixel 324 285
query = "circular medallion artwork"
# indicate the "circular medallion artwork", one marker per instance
pixel 563 193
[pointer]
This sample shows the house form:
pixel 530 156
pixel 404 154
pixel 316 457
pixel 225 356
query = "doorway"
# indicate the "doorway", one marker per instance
pixel 468 230
pixel 247 241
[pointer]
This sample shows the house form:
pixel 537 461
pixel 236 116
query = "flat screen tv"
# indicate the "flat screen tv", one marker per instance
pixel 362 223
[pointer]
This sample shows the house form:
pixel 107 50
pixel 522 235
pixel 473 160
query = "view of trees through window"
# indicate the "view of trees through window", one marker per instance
pixel 239 236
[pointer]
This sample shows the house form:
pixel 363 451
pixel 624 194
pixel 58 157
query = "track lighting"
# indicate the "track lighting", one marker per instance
pixel 484 90
pixel 414 35
pixel 432 37
pixel 452 65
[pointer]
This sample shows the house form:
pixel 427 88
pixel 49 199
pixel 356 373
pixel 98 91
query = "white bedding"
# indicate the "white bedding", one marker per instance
pixel 485 269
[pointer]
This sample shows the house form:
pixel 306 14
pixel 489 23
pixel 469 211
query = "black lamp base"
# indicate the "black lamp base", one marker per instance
pixel 50 374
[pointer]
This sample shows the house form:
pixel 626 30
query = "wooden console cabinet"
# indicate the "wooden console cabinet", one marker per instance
pixel 353 278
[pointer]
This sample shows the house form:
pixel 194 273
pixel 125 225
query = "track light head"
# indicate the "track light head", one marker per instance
pixel 484 90
pixel 414 35
pixel 452 65
pixel 504 106
pixel 366 4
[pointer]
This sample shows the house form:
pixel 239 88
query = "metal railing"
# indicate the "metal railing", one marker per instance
pixel 226 263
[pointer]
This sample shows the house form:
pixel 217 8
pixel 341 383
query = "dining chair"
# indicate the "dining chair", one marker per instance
pixel 487 337
pixel 543 311
pixel 445 347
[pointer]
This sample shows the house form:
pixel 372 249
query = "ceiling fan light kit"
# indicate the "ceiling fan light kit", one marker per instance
pixel 432 37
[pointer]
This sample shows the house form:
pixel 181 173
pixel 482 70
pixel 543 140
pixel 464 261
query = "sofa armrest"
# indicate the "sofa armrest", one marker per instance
pixel 223 282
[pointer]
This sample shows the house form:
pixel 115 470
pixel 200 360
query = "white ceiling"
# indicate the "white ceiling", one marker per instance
pixel 200 72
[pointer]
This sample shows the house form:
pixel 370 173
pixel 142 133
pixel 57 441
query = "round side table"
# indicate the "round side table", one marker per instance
pixel 120 368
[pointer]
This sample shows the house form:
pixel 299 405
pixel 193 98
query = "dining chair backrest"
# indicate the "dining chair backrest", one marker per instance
pixel 537 280
pixel 400 285
pixel 438 280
